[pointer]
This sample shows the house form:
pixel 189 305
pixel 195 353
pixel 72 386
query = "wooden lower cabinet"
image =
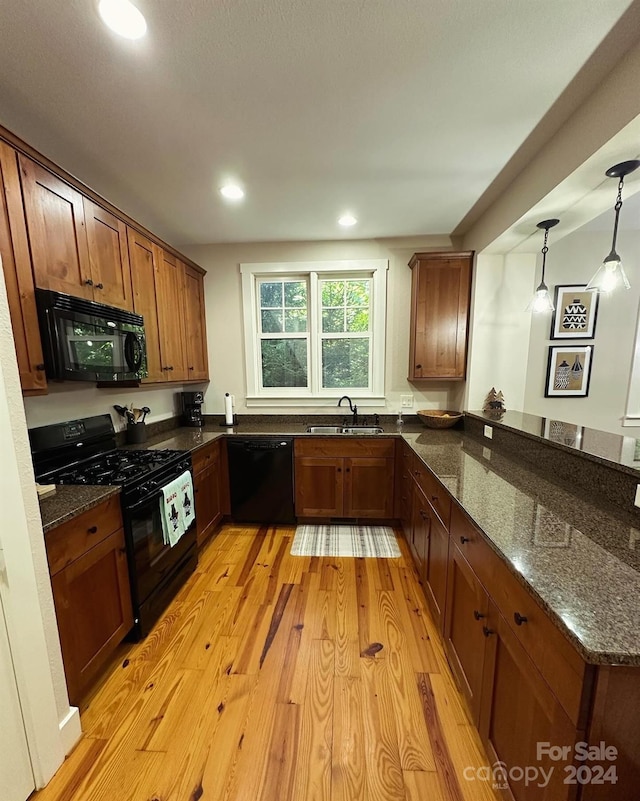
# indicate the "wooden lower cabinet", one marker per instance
pixel 436 569
pixel 209 488
pixel 420 532
pixel 93 607
pixel 465 628
pixel 338 477
pixel 517 712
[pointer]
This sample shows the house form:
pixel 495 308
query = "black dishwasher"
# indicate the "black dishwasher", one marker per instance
pixel 261 479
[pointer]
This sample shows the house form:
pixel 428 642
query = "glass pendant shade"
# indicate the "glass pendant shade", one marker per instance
pixel 609 277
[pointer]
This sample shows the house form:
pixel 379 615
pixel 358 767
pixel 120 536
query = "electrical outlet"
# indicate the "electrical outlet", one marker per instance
pixel 637 498
pixel 406 401
pixel 488 432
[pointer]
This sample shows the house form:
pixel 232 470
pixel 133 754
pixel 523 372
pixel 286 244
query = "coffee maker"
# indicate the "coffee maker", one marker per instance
pixel 192 408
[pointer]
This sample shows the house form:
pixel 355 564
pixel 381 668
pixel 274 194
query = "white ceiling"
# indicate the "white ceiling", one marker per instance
pixel 402 111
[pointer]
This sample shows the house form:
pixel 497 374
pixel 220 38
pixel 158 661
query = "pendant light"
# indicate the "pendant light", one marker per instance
pixel 611 275
pixel 541 301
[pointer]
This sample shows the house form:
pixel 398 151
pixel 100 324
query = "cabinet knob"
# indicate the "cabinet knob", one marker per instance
pixel 92 530
pixel 100 286
pixel 478 615
pixel 519 619
pixel 170 368
pixel 418 367
pixel 464 539
pixel 487 632
pixel 348 470
pixel 434 497
pixel 191 368
pixel 423 514
pixel 39 367
pixel 88 282
pixel 339 470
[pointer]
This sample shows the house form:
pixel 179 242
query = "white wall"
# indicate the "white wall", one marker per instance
pixel 224 316
pixel 52 726
pixel 499 343
pixel 573 260
pixel 72 399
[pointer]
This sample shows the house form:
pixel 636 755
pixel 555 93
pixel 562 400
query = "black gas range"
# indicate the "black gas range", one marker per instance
pixel 84 452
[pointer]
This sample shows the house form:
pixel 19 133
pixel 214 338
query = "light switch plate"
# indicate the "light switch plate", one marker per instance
pixel 488 432
pixel 406 401
pixel 637 498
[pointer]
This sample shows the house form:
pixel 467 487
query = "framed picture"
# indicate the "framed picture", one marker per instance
pixel 568 371
pixel 575 312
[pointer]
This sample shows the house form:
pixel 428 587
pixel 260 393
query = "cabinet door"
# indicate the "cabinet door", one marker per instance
pixel 464 638
pixel 145 257
pixel 195 325
pixel 93 608
pixel 16 264
pixel 208 502
pixel 368 489
pixel 440 295
pixel 57 233
pixel 420 532
pixel 319 486
pixel 404 487
pixel 109 257
pixel 518 711
pixel 436 569
pixel 171 317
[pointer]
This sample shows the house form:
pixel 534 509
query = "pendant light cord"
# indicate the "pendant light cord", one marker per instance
pixel 544 252
pixel 613 256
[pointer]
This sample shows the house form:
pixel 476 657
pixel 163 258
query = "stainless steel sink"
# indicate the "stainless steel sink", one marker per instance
pixel 324 430
pixel 344 430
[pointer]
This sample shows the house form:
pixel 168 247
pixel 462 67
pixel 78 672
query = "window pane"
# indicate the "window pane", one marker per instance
pixel 345 363
pixel 295 319
pixel 272 321
pixel 284 362
pixel 357 293
pixel 271 294
pixel 332 321
pixel 295 294
pixel 357 320
pixel 333 293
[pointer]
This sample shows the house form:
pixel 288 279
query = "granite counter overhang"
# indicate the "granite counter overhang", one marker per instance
pixel 576 558
pixel 70 501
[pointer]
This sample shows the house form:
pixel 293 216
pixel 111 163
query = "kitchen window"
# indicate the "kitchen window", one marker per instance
pixel 314 331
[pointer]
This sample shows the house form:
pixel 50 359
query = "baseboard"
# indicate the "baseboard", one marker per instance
pixel 70 729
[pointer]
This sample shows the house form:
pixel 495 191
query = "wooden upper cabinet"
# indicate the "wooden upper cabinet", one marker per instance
pixel 16 264
pixel 170 289
pixel 195 325
pixel 54 213
pixel 145 258
pixel 440 299
pixel 108 256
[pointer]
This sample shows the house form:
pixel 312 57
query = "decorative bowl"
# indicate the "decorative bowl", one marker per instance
pixel 437 418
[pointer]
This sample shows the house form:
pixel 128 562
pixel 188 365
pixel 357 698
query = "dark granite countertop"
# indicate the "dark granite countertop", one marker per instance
pixel 70 501
pixel 580 561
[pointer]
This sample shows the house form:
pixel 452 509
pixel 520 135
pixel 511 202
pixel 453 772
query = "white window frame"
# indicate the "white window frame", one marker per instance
pixel 314 395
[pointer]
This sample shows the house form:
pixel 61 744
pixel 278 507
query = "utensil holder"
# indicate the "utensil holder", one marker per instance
pixel 136 433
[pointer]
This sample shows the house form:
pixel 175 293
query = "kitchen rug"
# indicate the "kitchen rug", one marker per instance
pixel 345 540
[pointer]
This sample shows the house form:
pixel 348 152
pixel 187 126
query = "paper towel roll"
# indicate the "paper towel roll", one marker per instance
pixel 228 409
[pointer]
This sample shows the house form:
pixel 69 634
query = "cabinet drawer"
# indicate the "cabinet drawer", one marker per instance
pixel 72 539
pixel 436 494
pixel 204 457
pixel 557 660
pixel 344 446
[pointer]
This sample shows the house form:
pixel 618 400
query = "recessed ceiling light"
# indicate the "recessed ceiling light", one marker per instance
pixel 347 220
pixel 123 18
pixel 232 191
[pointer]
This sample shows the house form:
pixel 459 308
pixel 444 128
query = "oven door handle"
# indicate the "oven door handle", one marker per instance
pixel 144 502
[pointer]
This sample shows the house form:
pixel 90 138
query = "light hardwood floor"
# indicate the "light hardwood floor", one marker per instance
pixel 274 677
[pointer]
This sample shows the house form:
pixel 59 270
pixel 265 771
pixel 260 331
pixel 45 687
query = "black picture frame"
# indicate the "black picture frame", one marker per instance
pixel 589 302
pixel 569 373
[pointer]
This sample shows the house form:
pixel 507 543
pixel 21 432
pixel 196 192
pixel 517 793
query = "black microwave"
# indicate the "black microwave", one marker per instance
pixel 87 341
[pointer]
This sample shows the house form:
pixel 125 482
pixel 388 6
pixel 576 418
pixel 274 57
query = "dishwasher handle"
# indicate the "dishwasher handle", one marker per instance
pixel 257 445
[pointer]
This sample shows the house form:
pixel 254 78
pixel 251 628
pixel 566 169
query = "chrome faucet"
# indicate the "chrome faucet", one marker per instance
pixel 352 407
